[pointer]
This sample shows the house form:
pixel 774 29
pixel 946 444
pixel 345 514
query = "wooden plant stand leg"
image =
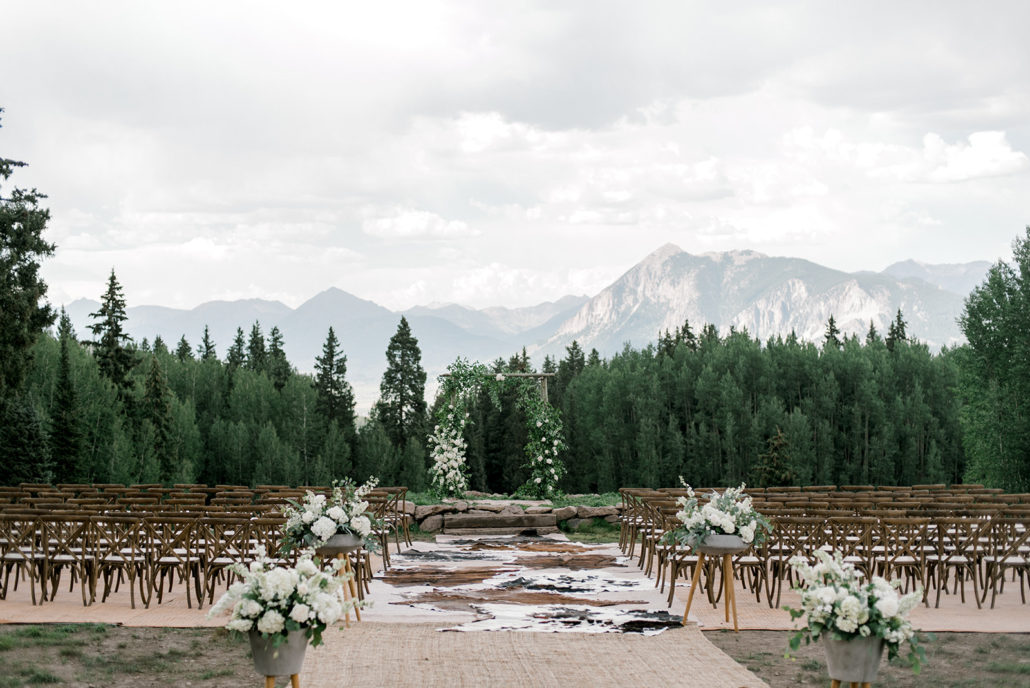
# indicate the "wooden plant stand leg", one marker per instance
pixel 729 588
pixel 693 584
pixel 269 681
pixel 346 588
pixel 352 587
pixel 295 680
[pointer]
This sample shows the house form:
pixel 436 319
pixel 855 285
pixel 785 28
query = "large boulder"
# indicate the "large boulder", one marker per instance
pixel 492 507
pixel 408 508
pixel 565 513
pixel 596 511
pixel 426 510
pixel 577 523
pixel 461 506
pixel 432 524
pixel 538 510
pixel 513 510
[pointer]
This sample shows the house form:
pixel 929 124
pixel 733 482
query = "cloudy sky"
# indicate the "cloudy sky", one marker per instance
pixel 507 153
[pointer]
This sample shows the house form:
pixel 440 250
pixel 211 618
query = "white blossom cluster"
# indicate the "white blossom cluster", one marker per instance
pixel 544 446
pixel 447 444
pixel 317 518
pixel 729 513
pixel 836 598
pixel 277 601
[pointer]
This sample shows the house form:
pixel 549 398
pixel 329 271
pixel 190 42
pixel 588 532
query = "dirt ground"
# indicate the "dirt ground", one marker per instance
pixel 954 660
pixel 95 655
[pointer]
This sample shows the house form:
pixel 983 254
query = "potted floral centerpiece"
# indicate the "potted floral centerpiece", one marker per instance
pixel 342 517
pixel 282 609
pixel 856 618
pixel 726 523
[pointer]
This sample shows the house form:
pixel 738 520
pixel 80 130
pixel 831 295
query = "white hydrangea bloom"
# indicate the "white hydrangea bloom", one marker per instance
pixel 271 622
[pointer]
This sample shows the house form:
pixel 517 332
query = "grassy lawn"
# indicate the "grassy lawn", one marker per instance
pixel 954 660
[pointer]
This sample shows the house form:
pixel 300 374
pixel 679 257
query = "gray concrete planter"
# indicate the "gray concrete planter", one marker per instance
pixel 720 543
pixel 341 543
pixel 285 660
pixel 856 660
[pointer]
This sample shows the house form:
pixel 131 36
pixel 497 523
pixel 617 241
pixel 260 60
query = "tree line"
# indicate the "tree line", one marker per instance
pixel 718 410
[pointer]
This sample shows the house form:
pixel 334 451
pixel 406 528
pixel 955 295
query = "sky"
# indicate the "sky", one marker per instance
pixel 506 153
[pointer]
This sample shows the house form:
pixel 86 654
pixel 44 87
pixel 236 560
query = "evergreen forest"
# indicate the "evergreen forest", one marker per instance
pixel 870 408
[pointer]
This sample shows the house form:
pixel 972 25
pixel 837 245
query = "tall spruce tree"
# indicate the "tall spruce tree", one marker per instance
pixel 65 430
pixel 24 314
pixel 896 332
pixel 279 369
pixel 236 356
pixel 183 352
pixel 832 336
pixel 206 348
pixel 256 353
pixel 334 396
pixel 111 345
pixel 157 410
pixel 402 393
pixel 159 345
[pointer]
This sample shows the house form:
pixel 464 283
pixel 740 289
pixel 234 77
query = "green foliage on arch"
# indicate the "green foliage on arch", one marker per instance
pixel 449 471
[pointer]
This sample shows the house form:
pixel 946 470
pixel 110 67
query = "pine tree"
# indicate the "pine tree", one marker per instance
pixel 183 352
pixel 160 348
pixel 65 430
pixel 24 314
pixel 402 393
pixel 832 336
pixel 110 342
pixel 872 336
pixel 206 350
pixel 157 410
pixel 236 355
pixel 256 354
pixel 335 398
pixel 594 359
pixel 279 369
pixel 896 332
pixel 24 452
pixel 568 368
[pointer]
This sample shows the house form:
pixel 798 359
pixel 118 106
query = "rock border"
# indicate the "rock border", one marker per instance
pixel 429 517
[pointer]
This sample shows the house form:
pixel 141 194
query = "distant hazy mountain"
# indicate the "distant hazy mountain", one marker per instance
pixel 959 278
pixel 766 295
pixel 363 327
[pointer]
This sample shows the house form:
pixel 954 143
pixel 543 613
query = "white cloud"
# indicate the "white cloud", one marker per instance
pixel 405 223
pixel 495 153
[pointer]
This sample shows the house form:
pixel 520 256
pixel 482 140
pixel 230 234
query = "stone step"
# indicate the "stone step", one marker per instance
pixel 510 524
pixel 541 530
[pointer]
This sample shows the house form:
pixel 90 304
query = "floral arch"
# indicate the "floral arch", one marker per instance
pixel 460 385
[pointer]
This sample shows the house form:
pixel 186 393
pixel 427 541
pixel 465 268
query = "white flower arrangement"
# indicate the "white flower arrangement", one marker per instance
pixel 837 600
pixel 729 513
pixel 317 518
pixel 277 601
pixel 448 471
pixel 544 445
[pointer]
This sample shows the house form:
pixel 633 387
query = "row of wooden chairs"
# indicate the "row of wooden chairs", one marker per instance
pixel 932 551
pixel 146 552
pixel 150 545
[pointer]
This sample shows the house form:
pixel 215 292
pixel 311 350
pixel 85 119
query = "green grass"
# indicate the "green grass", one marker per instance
pixel 215 673
pixel 37 676
pixel 1009 668
pixel 51 635
pixel 605 499
pixel 595 531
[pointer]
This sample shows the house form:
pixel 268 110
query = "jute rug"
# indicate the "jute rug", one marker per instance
pixel 405 654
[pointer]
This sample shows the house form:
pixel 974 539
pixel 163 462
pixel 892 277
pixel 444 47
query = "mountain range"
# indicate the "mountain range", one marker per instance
pixel 744 289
